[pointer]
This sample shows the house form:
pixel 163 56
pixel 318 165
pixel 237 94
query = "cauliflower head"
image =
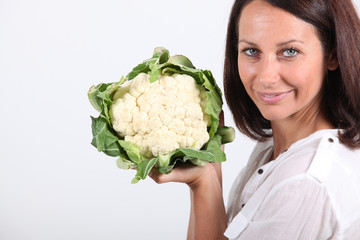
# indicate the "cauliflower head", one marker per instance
pixel 163 112
pixel 161 116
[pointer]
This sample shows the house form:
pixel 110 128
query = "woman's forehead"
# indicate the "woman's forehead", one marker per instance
pixel 260 19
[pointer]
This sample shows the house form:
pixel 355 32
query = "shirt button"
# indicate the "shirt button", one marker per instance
pixel 260 171
pixel 330 140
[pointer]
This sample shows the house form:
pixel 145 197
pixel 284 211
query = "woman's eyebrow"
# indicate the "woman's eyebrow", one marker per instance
pixel 290 41
pixel 248 42
pixel 278 44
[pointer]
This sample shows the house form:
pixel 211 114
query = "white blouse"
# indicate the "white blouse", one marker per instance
pixel 311 191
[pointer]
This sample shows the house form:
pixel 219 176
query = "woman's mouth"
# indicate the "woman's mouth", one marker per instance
pixel 273 97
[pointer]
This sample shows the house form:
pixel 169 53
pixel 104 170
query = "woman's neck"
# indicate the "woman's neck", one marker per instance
pixel 288 131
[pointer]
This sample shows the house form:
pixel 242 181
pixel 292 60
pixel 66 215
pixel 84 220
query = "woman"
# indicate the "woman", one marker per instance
pixel 292 82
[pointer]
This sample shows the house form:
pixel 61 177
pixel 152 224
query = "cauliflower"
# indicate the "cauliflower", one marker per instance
pixel 161 116
pixel 164 111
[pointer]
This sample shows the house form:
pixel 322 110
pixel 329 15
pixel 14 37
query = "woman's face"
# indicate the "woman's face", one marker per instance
pixel 280 62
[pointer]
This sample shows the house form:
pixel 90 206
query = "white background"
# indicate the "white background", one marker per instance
pixel 53 183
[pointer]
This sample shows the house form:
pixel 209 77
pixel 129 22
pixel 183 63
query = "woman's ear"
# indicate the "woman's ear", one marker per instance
pixel 332 63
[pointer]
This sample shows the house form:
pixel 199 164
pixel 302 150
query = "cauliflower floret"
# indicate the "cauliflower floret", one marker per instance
pixel 139 86
pixel 179 112
pixel 178 126
pixel 194 111
pixel 163 141
pixel 140 123
pixel 163 115
pixel 154 123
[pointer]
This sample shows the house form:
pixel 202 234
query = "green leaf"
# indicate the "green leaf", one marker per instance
pixel 214 146
pixel 132 150
pixel 181 60
pixel 96 95
pixel 154 75
pixel 92 95
pixel 124 163
pixel 162 54
pixel 185 154
pixel 103 139
pixel 141 68
pixel 193 153
pixel 143 169
pixel 198 162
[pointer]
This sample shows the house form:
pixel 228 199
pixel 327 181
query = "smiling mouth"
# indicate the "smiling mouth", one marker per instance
pixel 270 95
pixel 272 98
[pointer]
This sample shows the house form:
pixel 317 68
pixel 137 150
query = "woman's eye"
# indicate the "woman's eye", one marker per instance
pixel 250 52
pixel 290 52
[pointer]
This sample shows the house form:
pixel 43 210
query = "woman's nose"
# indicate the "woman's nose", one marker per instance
pixel 268 72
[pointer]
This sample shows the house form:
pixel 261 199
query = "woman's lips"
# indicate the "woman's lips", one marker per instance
pixel 273 97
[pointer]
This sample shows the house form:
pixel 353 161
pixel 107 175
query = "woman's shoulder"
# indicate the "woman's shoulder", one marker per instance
pixel 333 159
pixel 317 154
pixel 337 167
pixel 331 167
pixel 321 156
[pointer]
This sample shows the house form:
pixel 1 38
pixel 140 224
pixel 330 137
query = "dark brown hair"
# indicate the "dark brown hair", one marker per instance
pixel 338 28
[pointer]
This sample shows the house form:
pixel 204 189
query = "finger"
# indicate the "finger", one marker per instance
pixel 159 177
pixel 183 173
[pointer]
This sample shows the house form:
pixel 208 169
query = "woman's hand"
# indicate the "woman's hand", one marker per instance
pixel 189 174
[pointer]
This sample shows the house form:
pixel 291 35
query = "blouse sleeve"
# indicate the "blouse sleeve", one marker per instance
pixel 297 208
